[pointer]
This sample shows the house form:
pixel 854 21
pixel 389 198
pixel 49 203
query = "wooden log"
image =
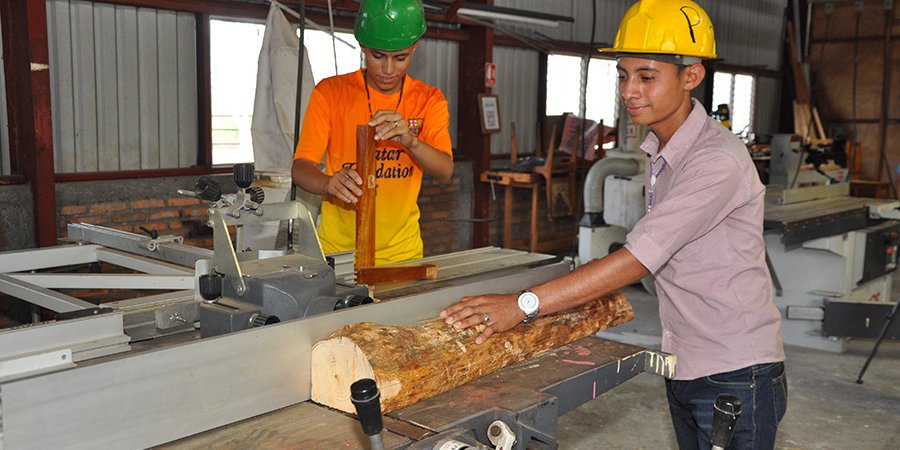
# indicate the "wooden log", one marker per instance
pixel 365 208
pixel 413 362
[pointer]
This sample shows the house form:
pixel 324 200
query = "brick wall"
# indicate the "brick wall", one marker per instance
pixel 437 201
pixel 180 216
pixel 128 205
pixel 445 211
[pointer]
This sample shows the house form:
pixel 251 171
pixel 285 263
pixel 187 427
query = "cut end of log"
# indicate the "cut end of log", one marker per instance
pixel 340 363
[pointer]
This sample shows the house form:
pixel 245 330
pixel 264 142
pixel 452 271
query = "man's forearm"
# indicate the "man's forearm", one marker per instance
pixel 307 175
pixel 591 280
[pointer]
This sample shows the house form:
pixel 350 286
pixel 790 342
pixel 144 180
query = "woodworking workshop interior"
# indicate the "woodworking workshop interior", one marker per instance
pixel 449 224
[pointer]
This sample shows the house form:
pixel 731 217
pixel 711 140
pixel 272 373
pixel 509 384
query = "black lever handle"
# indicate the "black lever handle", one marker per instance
pixel 367 399
pixel 726 411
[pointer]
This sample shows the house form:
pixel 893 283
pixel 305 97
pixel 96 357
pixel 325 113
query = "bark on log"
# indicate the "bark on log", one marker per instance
pixel 421 360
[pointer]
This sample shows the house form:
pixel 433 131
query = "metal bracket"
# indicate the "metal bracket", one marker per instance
pixel 224 258
pixel 153 244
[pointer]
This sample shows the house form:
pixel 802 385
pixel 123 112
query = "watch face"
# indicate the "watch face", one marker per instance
pixel 528 302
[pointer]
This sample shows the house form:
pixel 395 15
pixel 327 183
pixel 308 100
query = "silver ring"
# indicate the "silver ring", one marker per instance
pixel 486 317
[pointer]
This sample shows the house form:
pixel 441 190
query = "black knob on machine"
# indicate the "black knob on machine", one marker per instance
pixel 259 320
pixel 208 189
pixel 257 194
pixel 211 286
pixel 243 174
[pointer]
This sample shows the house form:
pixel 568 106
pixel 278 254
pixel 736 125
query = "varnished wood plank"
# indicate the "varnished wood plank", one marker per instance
pixel 365 207
pixel 388 274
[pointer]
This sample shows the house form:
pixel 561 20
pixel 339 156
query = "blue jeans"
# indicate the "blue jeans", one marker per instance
pixel 762 390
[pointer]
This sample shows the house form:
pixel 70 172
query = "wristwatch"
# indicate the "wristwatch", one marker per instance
pixel 530 304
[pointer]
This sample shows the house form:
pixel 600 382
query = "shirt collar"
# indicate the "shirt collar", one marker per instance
pixel 683 139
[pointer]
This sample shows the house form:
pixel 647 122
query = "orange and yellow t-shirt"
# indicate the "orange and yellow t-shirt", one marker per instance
pixel 337 105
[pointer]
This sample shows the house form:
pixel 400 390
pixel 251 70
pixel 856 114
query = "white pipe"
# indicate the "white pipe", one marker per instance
pixel 596 177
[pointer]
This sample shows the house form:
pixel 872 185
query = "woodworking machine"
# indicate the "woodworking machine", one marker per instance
pixel 226 336
pixel 831 255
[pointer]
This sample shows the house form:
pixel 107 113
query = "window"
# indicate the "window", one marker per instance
pixel 233 52
pixel 564 87
pixel 321 54
pixel 234 55
pixel 736 91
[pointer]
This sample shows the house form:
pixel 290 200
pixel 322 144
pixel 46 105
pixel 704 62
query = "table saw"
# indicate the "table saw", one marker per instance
pixel 143 372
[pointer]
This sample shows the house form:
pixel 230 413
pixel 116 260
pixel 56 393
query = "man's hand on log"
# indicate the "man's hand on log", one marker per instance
pixel 501 311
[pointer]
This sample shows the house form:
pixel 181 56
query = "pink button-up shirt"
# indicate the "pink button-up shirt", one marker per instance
pixel 702 239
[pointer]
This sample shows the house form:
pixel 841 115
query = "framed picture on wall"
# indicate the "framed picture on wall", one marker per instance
pixel 489 107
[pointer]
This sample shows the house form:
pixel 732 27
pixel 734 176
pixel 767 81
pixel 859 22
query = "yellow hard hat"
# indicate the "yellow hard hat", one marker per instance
pixel 669 27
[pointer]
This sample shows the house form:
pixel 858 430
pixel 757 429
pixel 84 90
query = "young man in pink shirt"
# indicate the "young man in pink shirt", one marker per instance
pixel 701 239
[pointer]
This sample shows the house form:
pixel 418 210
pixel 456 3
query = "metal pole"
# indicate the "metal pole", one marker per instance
pixel 887 324
pixel 301 53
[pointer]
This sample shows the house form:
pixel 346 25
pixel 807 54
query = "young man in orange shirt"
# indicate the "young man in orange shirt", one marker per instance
pixel 411 121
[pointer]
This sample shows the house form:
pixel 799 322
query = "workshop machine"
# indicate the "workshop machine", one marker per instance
pixel 614 197
pixel 831 255
pixel 221 350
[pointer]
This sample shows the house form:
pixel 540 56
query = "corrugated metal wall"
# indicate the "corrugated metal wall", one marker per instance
pixel 748 33
pixel 123 84
pixel 436 63
pixel 4 121
pixel 517 90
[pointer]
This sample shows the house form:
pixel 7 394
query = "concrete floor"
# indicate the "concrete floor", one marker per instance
pixel 827 409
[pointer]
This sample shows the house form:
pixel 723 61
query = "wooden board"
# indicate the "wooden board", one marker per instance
pixel 365 208
pixel 371 275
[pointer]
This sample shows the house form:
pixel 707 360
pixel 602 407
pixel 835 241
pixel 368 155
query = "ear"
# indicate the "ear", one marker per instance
pixel 692 76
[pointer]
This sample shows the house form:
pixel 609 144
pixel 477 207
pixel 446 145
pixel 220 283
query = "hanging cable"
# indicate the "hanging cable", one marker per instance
pixel 333 41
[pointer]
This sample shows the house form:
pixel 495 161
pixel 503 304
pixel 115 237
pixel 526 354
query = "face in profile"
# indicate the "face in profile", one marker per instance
pixel 654 91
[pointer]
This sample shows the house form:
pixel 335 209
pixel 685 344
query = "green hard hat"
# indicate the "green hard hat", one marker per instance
pixel 389 25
